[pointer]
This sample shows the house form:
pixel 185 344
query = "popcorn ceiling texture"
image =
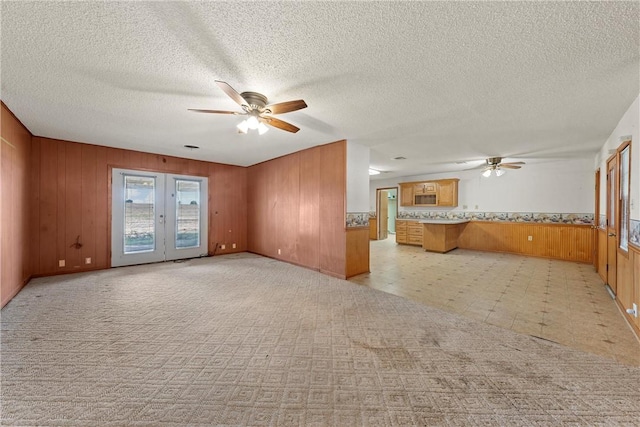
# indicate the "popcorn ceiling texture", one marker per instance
pixel 464 79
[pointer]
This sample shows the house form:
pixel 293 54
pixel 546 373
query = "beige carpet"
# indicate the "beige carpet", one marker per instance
pixel 245 340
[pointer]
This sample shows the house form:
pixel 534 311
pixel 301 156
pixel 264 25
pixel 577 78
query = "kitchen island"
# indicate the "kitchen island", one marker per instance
pixel 441 235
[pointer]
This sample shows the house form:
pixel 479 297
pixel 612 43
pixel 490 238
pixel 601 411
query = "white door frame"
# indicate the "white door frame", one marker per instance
pixel 165 221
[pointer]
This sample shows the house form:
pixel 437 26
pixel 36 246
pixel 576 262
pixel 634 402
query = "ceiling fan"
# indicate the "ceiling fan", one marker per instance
pixel 255 106
pixel 495 165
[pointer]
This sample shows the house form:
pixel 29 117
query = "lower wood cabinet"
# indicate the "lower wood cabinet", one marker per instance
pixel 373 228
pixel 408 232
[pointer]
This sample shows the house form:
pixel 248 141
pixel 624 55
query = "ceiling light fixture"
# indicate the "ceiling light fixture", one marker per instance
pixel 252 123
pixel 373 172
pixel 495 170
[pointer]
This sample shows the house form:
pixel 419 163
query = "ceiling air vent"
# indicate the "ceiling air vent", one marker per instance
pixel 399 158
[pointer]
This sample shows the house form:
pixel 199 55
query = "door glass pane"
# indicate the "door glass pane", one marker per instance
pixel 139 214
pixel 612 198
pixel 187 213
pixel 624 198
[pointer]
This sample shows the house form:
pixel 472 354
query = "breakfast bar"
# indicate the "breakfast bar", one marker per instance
pixel 441 235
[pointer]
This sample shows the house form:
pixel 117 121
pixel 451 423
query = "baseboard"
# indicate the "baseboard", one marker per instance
pixel 632 325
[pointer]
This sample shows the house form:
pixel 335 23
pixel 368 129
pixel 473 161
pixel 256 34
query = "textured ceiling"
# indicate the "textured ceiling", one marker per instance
pixel 435 82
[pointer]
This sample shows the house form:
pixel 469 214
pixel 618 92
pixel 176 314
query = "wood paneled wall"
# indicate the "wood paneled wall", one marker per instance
pixel 601 237
pixel 71 200
pixel 15 152
pixel 635 283
pixel 296 208
pixel 560 241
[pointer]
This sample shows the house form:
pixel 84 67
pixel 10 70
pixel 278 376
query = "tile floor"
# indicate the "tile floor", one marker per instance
pixel 560 301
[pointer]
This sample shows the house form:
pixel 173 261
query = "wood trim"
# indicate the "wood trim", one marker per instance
pixel 568 242
pixel 601 236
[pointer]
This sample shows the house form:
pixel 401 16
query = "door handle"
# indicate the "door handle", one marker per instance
pixel 612 234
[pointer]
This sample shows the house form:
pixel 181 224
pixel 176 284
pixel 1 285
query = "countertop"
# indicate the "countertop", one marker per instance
pixel 443 221
pixel 435 221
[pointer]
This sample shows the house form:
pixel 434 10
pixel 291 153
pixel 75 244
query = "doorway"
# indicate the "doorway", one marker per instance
pixel 386 211
pixel 157 217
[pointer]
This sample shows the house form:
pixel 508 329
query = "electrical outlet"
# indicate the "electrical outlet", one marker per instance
pixel 87 260
pixel 61 263
pixel 222 247
pixel 279 252
pixel 530 238
pixel 233 246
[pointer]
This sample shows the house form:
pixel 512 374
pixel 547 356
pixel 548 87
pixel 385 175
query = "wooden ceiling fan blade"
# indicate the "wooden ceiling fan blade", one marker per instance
pixel 509 166
pixel 513 163
pixel 232 93
pixel 272 121
pixel 215 111
pixel 286 107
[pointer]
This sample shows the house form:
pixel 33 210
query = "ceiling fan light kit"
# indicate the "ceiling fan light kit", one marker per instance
pixel 495 165
pixel 255 105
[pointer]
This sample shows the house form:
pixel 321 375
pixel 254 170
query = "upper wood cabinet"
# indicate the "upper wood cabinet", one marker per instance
pixel 448 192
pixel 441 192
pixel 406 194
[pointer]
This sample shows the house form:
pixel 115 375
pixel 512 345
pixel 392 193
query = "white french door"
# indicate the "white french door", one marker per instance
pixel 157 217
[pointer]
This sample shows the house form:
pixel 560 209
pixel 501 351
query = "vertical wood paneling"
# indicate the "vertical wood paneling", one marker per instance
pixel 34 205
pixel 333 168
pixel 15 246
pixel 309 213
pixel 560 241
pixel 73 205
pixel 635 262
pixel 48 220
pixel 227 207
pixel 75 200
pixel 88 199
pixel 296 203
pixel 287 208
pixel 102 209
pixel 61 209
pixel 602 254
pixel 625 289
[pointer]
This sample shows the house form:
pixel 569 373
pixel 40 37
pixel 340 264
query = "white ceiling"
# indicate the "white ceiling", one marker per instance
pixel 435 82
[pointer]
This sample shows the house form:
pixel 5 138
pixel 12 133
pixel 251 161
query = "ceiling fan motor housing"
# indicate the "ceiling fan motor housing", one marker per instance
pixel 492 161
pixel 256 101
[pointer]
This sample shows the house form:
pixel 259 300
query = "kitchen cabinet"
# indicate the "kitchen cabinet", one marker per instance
pixel 409 232
pixel 448 192
pixel 441 235
pixel 439 193
pixel 401 231
pixel 414 233
pixel 373 228
pixel 406 194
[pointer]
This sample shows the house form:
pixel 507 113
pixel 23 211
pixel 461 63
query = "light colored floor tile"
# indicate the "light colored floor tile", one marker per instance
pixel 560 301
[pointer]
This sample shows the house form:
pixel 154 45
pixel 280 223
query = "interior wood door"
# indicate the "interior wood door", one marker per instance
pixel 612 222
pixel 383 214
